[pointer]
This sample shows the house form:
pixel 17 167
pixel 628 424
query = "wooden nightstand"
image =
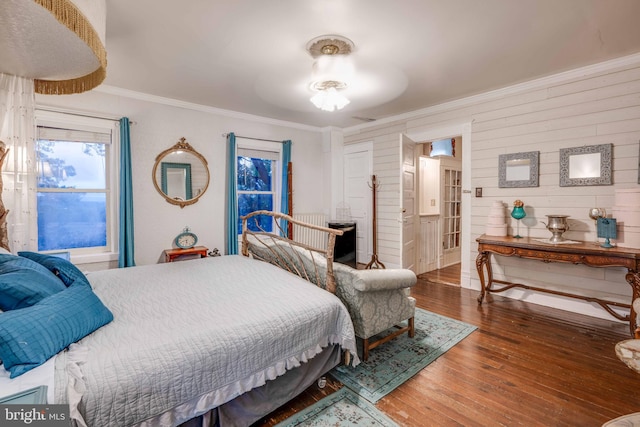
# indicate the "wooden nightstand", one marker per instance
pixel 171 255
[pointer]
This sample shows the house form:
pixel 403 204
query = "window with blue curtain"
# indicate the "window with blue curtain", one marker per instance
pixel 257 181
pixel 257 175
pixel 76 187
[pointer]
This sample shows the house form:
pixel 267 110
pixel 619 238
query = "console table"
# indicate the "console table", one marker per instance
pixel 585 253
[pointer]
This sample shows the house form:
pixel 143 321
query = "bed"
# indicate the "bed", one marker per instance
pixel 215 341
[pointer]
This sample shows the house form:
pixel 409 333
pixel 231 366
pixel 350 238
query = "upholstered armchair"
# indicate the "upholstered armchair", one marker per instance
pixel 377 300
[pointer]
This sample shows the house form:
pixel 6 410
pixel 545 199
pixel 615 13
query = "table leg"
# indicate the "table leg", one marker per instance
pixel 483 262
pixel 633 278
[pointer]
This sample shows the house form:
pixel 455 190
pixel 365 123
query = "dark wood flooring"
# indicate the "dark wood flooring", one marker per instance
pixel 449 275
pixel 525 365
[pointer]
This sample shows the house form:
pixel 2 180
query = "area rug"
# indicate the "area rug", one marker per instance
pixel 342 408
pixel 396 361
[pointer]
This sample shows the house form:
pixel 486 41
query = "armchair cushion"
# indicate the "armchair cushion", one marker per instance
pixel 383 280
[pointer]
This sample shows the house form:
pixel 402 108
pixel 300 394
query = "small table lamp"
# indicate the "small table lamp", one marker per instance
pixel 607 230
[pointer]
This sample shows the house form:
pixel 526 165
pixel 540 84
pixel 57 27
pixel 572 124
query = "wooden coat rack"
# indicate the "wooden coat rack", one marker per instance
pixel 375 262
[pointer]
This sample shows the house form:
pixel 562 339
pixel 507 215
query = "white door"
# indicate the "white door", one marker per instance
pixel 451 181
pixel 358 165
pixel 408 202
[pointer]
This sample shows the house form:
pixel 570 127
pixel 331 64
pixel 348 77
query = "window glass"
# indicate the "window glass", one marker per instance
pixel 256 187
pixel 73 197
pixel 71 220
pixel 248 203
pixel 63 164
pixel 254 174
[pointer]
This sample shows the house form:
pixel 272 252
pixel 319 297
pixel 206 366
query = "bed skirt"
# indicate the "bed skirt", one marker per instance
pixel 255 404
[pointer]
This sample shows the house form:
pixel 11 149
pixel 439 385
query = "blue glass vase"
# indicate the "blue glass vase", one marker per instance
pixel 518 213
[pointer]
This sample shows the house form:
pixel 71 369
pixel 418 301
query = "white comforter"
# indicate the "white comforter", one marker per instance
pixel 189 336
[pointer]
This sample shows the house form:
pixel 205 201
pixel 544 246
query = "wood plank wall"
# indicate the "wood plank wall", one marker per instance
pixel 594 105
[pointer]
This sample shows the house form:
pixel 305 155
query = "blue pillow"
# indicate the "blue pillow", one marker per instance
pixel 32 335
pixel 64 269
pixel 24 282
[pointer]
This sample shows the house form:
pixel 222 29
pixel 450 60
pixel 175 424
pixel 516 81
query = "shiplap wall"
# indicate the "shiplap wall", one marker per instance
pixel 594 105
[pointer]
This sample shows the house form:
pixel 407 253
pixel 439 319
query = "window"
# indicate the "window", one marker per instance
pixel 75 201
pixel 258 182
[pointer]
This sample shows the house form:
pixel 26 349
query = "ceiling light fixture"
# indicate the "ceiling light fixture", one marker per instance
pixel 332 71
pixel 328 98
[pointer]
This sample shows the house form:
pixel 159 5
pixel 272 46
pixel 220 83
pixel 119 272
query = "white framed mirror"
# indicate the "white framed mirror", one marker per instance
pixel 516 170
pixel 588 165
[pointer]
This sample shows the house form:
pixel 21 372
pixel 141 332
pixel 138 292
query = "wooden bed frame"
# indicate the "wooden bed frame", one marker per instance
pixel 285 253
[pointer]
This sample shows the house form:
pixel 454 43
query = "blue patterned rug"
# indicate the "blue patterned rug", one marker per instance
pixel 396 361
pixel 342 408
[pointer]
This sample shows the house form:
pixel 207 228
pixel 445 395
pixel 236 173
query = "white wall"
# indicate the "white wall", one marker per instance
pixel 157 127
pixel 594 105
pixel 429 189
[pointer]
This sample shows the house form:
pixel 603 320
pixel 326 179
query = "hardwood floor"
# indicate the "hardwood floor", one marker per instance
pixel 449 275
pixel 525 365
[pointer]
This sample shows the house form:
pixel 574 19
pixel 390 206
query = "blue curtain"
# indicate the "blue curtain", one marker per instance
pixel 232 197
pixel 125 253
pixel 284 194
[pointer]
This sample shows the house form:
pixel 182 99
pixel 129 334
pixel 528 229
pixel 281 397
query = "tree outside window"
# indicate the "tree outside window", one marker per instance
pixel 256 190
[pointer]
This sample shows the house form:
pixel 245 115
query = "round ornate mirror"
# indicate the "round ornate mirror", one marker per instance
pixel 180 174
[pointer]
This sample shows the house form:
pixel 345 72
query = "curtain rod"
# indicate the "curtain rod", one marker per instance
pixel 255 139
pixel 76 113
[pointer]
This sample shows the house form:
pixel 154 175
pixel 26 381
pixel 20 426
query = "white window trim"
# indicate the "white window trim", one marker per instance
pixel 75 121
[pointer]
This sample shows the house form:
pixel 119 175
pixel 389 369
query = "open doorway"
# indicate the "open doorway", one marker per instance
pixel 462 133
pixel 439 198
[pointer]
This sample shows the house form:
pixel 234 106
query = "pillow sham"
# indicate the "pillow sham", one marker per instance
pixel 24 282
pixel 64 269
pixel 32 335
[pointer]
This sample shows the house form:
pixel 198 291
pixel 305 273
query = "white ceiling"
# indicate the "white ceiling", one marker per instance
pixel 249 55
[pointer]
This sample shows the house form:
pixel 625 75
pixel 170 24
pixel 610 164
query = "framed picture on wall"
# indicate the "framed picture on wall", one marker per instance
pixel 586 165
pixel 517 170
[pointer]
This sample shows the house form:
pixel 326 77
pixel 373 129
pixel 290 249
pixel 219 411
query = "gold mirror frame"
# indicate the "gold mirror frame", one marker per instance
pixel 181 146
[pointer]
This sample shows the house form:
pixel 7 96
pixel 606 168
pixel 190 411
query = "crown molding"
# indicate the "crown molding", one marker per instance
pixel 112 90
pixel 583 72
